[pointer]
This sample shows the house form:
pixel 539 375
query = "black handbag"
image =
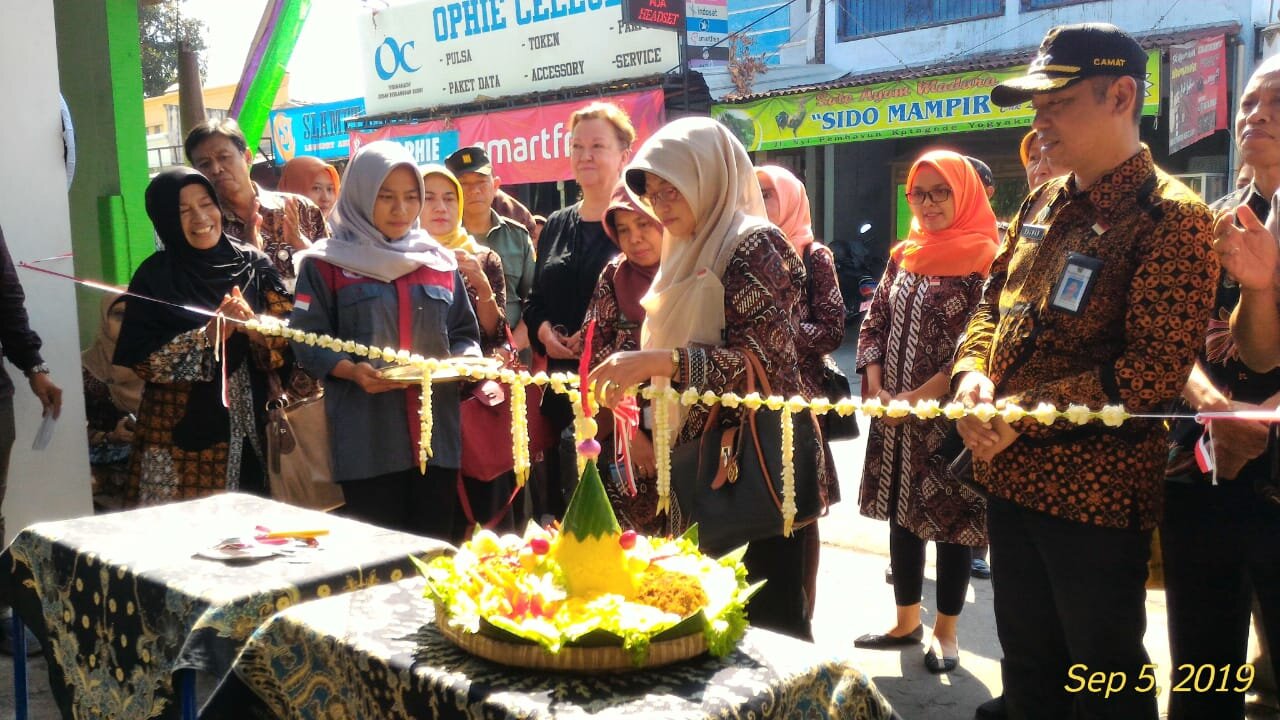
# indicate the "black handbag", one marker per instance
pixel 729 480
pixel 836 386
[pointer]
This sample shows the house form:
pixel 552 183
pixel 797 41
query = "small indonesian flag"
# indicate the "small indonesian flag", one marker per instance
pixel 302 301
pixel 1204 453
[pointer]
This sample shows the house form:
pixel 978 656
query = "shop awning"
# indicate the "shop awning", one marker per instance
pixel 777 78
pixel 942 98
pixel 985 61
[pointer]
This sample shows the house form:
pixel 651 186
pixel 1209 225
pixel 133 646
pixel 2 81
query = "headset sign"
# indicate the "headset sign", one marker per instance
pixel 662 14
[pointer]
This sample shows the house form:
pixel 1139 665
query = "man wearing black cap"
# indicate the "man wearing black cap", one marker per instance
pixel 1100 299
pixel 504 236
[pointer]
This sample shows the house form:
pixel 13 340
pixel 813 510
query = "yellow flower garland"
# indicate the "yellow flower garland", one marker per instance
pixel 425 419
pixel 788 470
pixel 520 433
pixel 664 398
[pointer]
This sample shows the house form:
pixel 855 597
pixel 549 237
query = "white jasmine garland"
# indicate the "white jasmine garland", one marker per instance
pixel 1045 413
pixel 1078 414
pixel 788 471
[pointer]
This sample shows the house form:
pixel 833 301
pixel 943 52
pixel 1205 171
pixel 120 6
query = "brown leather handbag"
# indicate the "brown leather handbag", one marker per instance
pixel 729 480
pixel 299 464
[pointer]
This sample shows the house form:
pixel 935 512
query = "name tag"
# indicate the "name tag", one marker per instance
pixel 1071 291
pixel 1034 233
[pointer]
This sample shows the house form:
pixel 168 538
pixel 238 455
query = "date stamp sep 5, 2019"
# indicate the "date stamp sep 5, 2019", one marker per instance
pixel 1187 677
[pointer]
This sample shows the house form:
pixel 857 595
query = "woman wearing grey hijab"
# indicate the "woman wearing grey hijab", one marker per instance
pixel 382 282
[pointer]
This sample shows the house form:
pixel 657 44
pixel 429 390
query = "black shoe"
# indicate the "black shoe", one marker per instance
pixel 877 641
pixel 947 664
pixel 992 709
pixel 980 569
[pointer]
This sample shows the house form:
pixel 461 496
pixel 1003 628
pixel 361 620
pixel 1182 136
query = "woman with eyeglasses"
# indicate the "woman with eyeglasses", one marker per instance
pixel 931 285
pixel 727 287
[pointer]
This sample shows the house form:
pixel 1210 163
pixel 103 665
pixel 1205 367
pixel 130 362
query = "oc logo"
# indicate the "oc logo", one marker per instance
pixel 398 59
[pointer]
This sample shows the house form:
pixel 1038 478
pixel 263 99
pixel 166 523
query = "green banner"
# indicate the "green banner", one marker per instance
pixel 960 102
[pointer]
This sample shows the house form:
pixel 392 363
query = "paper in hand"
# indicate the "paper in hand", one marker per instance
pixel 45 434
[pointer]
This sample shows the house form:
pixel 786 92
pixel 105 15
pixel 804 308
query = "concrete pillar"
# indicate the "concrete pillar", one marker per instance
pixel 101 75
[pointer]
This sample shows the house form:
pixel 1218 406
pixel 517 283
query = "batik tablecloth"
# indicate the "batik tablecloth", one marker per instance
pixel 376 653
pixel 121 602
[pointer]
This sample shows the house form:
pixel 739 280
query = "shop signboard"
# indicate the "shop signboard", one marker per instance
pixel 526 145
pixel 1197 90
pixel 440 53
pixel 661 14
pixel 313 130
pixel 944 104
pixel 707 33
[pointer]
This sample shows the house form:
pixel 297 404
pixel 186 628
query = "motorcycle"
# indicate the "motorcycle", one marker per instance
pixel 857 272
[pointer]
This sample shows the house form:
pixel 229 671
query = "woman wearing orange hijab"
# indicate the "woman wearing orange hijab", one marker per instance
pixel 313 178
pixel 931 285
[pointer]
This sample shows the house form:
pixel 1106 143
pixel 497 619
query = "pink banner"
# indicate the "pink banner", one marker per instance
pixel 1197 90
pixel 526 145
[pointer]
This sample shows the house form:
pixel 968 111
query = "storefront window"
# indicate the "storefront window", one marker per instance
pixel 863 18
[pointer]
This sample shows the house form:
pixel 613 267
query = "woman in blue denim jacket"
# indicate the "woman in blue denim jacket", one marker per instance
pixel 381 281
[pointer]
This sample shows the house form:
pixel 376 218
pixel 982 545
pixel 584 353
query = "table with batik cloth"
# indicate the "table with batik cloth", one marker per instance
pixel 377 653
pixel 121 603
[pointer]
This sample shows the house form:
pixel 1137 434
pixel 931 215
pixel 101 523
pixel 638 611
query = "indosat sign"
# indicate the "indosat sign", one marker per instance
pixel 453 52
pixel 960 102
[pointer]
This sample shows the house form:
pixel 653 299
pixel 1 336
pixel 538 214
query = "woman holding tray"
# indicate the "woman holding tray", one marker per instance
pixel 383 282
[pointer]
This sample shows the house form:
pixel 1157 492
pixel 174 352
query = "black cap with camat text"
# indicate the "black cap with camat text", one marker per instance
pixel 1070 53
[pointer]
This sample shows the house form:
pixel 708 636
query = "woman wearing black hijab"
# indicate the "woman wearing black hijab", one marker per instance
pixel 188 444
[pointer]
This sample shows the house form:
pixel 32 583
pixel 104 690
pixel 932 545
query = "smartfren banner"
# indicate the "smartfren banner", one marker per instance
pixel 439 53
pixel 526 145
pixel 960 102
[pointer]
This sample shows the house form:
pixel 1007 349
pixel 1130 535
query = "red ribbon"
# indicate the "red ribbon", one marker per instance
pixel 584 369
pixel 626 419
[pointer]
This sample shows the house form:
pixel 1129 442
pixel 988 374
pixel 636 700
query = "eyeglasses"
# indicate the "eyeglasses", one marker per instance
pixel 668 194
pixel 937 195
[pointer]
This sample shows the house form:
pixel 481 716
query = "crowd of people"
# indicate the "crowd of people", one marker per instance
pixel 1112 284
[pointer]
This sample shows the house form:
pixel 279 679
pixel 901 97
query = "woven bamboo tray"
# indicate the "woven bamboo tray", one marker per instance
pixel 601 659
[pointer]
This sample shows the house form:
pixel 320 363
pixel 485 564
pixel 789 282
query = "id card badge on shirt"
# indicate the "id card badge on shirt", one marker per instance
pixel 1071 291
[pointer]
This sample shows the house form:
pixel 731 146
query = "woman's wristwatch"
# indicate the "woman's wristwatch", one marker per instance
pixel 40 369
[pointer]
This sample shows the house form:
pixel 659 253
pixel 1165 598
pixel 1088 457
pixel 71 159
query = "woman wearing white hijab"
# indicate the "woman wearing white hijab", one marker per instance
pixel 382 281
pixel 728 281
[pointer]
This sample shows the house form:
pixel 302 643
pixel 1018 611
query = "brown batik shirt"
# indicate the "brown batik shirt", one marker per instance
pixel 1132 342
pixel 271 205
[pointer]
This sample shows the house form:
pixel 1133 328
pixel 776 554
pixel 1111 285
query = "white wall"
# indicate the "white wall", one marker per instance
pixel 999 34
pixel 803 17
pixel 33 212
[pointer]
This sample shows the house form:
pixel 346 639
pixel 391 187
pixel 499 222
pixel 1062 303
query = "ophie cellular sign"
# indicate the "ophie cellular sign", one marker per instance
pixel 422 54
